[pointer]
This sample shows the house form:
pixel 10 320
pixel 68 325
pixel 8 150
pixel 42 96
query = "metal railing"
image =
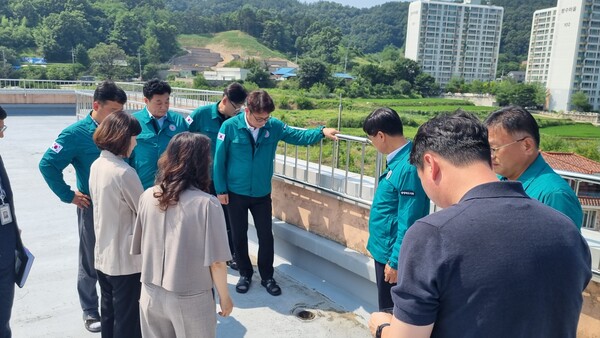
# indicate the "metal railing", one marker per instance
pixel 309 166
pixel 180 97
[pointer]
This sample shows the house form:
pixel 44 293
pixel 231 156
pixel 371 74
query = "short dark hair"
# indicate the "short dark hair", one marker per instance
pixel 384 120
pixel 515 120
pixel 259 101
pixel 109 91
pixel 115 132
pixel 459 138
pixel 156 87
pixel 236 93
pixel 185 164
pixel 2 113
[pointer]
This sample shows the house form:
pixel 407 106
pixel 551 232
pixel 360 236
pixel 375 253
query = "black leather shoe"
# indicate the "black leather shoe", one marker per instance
pixel 92 323
pixel 243 285
pixel 271 285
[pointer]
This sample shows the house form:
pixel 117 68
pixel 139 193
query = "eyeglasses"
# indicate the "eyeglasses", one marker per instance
pixel 260 119
pixel 495 149
pixel 236 109
pixel 3 128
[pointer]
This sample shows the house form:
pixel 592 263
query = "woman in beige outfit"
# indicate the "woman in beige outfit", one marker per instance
pixel 115 190
pixel 180 233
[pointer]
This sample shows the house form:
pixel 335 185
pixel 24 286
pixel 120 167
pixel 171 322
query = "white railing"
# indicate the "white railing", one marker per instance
pixel 309 166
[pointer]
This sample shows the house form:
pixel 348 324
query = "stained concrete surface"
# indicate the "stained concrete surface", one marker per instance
pixel 48 305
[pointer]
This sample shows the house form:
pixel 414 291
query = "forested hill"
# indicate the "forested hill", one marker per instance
pixel 54 28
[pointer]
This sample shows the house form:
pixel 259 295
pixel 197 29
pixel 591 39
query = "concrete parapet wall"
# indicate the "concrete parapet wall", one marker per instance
pixel 326 217
pixel 322 214
pixel 26 97
pixel 593 118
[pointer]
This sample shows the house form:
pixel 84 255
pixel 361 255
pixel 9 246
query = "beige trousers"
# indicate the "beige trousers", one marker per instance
pixel 166 314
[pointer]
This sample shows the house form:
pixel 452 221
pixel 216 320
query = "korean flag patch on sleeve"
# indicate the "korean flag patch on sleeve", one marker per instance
pixel 189 120
pixel 221 137
pixel 56 147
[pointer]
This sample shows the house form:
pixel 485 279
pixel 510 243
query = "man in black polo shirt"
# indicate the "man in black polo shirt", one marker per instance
pixel 490 264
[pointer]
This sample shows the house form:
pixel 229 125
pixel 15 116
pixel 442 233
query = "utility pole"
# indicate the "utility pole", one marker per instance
pixel 3 59
pixel 72 55
pixel 140 64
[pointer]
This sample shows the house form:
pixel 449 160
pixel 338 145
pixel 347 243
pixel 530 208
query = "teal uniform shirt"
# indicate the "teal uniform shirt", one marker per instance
pixel 543 184
pixel 75 145
pixel 399 201
pixel 150 144
pixel 245 167
pixel 207 120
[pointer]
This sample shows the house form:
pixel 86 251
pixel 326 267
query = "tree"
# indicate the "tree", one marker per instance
pixel 261 77
pixel 426 86
pixel 151 50
pixel 60 32
pixel 81 55
pixel 276 36
pixel 127 32
pixel 580 102
pixel 312 71
pixel 405 69
pixel 64 71
pixel 106 60
pixel 373 74
pixel 322 42
pixel 200 82
pixel 166 36
pixel 455 85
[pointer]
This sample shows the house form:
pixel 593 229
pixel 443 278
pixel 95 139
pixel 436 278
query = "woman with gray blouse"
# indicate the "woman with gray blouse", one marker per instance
pixel 115 190
pixel 180 233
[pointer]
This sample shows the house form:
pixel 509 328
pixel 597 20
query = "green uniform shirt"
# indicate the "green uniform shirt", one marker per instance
pixel 75 145
pixel 399 201
pixel 150 144
pixel 245 167
pixel 543 184
pixel 207 120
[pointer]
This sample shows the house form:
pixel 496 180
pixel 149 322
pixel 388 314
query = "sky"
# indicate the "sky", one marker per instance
pixel 357 3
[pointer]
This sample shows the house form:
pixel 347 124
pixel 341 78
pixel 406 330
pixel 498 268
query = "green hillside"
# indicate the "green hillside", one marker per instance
pixel 231 41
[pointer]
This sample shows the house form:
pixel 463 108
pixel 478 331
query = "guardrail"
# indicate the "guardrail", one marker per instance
pixel 180 97
pixel 325 166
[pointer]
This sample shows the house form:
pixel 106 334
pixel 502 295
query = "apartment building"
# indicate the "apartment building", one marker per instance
pixel 450 39
pixel 564 52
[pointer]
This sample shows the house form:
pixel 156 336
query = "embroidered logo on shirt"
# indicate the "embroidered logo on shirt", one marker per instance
pixel 267 134
pixel 56 147
pixel 221 136
pixel 172 127
pixel 189 120
pixel 407 193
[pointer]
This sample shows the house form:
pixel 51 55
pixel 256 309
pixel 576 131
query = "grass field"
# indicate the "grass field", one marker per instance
pixel 234 41
pixel 579 131
pixel 580 138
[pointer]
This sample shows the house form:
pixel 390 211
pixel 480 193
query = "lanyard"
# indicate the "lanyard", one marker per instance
pixel 2 192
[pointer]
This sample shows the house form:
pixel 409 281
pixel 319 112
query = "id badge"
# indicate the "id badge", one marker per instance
pixel 5 215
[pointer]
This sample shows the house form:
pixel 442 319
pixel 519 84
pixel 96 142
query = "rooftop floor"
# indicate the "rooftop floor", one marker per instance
pixel 48 305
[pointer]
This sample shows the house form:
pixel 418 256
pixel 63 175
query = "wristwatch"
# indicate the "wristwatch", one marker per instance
pixel 380 329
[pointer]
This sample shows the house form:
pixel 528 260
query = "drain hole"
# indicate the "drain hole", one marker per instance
pixel 305 315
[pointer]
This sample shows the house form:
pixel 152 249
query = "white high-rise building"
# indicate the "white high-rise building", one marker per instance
pixel 564 52
pixel 450 39
pixel 540 45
